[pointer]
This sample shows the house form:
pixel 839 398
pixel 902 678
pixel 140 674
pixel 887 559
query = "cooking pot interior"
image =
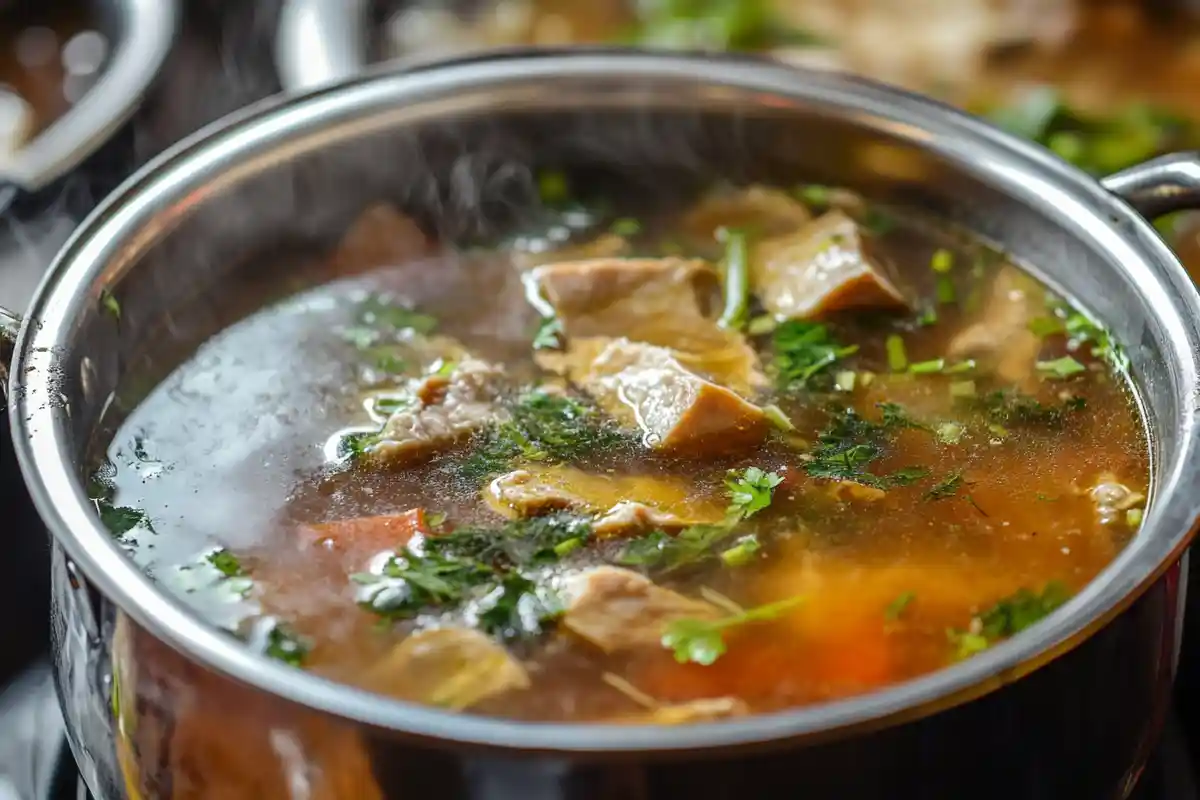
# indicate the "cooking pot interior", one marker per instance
pixel 220 244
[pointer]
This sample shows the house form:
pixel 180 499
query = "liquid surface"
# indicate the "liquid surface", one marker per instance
pixel 860 449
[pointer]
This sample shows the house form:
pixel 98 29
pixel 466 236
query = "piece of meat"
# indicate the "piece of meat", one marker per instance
pixel 1001 340
pixel 822 267
pixel 661 301
pixel 380 237
pixel 616 609
pixel 608 245
pixel 452 668
pixel 708 709
pixel 625 503
pixel 677 410
pixel 766 211
pixel 464 402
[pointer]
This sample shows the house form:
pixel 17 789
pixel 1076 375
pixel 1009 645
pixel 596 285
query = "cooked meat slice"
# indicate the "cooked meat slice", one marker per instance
pixel 767 211
pixel 630 515
pixel 1001 339
pixel 616 609
pixel 380 237
pixel 824 266
pixel 677 410
pixel 660 301
pixel 660 502
pixel 704 710
pixel 462 403
pixel 608 245
pixel 454 668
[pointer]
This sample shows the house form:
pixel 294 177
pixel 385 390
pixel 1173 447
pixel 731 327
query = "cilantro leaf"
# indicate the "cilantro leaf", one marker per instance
pixel 703 641
pixel 802 350
pixel 751 492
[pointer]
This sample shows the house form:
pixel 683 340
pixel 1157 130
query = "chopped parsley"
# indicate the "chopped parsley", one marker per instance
pixel 948 487
pixel 897 607
pixel 482 564
pixel 1008 617
pixel 226 563
pixel 285 645
pixel 549 334
pixel 543 427
pixel 703 641
pixel 516 608
pixel 750 492
pixel 1011 408
pixel 850 443
pixel 802 350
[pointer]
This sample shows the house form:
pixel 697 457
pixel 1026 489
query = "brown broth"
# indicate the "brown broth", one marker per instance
pixel 227 452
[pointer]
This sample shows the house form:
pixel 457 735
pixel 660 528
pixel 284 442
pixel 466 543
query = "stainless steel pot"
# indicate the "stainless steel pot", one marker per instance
pixel 161 705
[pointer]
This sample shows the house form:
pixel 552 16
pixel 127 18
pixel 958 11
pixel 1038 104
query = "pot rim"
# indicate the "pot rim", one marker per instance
pixel 39 421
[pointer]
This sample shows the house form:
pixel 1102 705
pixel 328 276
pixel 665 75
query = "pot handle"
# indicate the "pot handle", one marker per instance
pixel 1159 186
pixel 320 41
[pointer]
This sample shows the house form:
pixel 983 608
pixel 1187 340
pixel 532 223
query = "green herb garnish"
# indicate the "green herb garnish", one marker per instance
pixel 626 226
pixel 285 645
pixel 897 357
pixel 1061 368
pixel 735 274
pixel 1013 409
pixel 549 334
pixel 897 607
pixel 226 563
pixel 110 304
pixel 745 25
pixel 742 552
pixel 703 641
pixel 802 350
pixel 543 427
pixel 751 491
pixel 516 609
pixel 948 487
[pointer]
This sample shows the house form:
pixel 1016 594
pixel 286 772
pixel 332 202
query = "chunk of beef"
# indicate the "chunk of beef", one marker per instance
pixel 380 237
pixel 657 502
pixel 822 267
pixel 709 709
pixel 459 405
pixel 453 668
pixel 1001 340
pixel 616 609
pixel 677 410
pixel 660 301
pixel 769 212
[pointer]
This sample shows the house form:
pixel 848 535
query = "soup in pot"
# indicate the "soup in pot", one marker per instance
pixel 773 447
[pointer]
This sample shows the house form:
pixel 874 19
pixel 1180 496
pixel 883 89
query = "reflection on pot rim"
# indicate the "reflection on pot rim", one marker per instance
pixel 1151 273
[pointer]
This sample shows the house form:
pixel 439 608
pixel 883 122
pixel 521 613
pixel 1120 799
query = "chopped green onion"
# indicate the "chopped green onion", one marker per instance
pixel 1063 367
pixel 736 278
pixel 946 293
pixel 567 546
pixel 896 355
pixel 928 317
pixel 1046 326
pixel 1133 517
pixel 776 417
pixel 741 553
pixel 962 366
pixel 942 260
pixel 927 367
pixel 844 381
pixel 762 325
pixel 962 389
pixel 814 194
pixel 626 226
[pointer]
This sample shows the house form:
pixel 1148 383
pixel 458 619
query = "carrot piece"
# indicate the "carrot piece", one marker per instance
pixel 364 535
